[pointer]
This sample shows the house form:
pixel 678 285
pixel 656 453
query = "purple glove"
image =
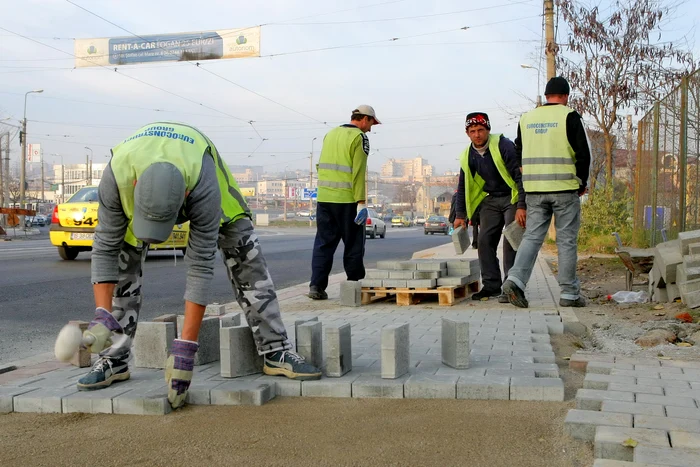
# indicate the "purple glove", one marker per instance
pixel 178 371
pixel 100 330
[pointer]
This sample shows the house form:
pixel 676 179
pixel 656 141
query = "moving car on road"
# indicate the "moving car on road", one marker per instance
pixel 436 224
pixel 420 220
pixel 374 226
pixel 73 226
pixel 400 221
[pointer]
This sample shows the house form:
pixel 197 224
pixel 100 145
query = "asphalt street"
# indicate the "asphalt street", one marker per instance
pixel 39 292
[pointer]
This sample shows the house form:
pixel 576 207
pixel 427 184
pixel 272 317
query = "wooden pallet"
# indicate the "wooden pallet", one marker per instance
pixel 447 295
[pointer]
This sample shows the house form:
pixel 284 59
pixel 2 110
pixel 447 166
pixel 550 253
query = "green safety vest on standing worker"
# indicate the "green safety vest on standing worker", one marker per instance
pixel 474 185
pixel 184 147
pixel 342 165
pixel 548 159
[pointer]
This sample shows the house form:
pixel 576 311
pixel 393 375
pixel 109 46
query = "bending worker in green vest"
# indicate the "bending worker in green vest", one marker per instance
pixel 341 211
pixel 490 181
pixel 555 159
pixel 168 173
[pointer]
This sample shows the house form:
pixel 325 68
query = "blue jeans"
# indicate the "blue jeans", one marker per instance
pixel 566 208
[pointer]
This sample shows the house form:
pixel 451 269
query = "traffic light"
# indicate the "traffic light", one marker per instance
pixel 21 137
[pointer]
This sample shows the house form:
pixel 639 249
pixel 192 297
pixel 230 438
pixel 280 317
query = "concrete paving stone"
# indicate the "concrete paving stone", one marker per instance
pixel 418 283
pixel 683 412
pixel 510 372
pixel 395 355
pixel 282 386
pixel 685 440
pixel 596 381
pixel 93 401
pixel 636 388
pixel 372 282
pixel 614 463
pixel 676 392
pixel 592 399
pixel 634 408
pixel 7 393
pixel 655 366
pixel 667 423
pixel 453 281
pixel 329 387
pixel 483 388
pixel 140 401
pixel 680 364
pixel 678 376
pixel 604 368
pixel 608 441
pixel 239 354
pixel 539 357
pixel 242 393
pixel 401 275
pixel 431 387
pixel 43 400
pixel 432 266
pixel 667 400
pixel 663 382
pixel 537 389
pixel 427 275
pixel 350 293
pixel 213 309
pixel 635 373
pixel 409 265
pixel 541 347
pixel 199 392
pixel 511 359
pixel 376 274
pixel 685 239
pixel 677 457
pixel 367 385
pixel 230 319
pixel 397 283
pixel 388 264
pixel 582 424
pixel 209 341
pixel 309 343
pixel 469 372
pixel 542 370
pixel 579 361
pixel 455 343
pixel 152 344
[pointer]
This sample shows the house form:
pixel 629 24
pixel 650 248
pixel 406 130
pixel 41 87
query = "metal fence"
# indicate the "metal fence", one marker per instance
pixel 666 194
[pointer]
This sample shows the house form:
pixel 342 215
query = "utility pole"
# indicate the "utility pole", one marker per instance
pixel 551 46
pixel 284 188
pixel 7 168
pixel 41 159
pixel 2 176
pixel 311 180
pixel 23 159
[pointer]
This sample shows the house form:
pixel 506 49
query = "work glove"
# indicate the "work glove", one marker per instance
pixel 100 330
pixel 362 214
pixel 178 371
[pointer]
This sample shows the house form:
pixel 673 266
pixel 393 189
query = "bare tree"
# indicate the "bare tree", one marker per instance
pixel 613 65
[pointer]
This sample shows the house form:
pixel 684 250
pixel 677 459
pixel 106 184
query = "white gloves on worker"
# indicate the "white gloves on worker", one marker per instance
pixel 362 214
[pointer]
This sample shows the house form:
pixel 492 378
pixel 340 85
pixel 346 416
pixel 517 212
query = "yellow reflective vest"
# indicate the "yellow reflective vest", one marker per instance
pixel 474 185
pixel 342 165
pixel 184 147
pixel 548 159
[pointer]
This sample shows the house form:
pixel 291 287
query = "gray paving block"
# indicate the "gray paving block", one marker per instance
pixel 142 401
pixel 542 370
pixel 536 389
pixel 667 423
pixel 673 292
pixel 685 239
pixel 239 354
pixel 676 392
pixel 668 256
pixel 152 344
pixel 372 282
pixel 388 264
pixel 635 373
pixel 691 299
pixel 7 393
pixel 44 400
pixel 663 383
pixel 676 457
pixel 242 393
pixel 608 442
pixel 592 399
pixel 604 368
pixel 411 265
pixel 455 343
pixel 427 274
pixel 453 281
pixel 685 440
pixel 421 283
pixel 432 266
pixel 339 350
pixel 463 263
pixel 401 275
pixel 395 351
pixel 666 400
pixel 683 412
pixel 460 240
pixel 329 387
pixel 376 386
pixel 229 320
pixel 487 387
pixel 309 341
pixel 376 274
pixel 395 283
pixel 215 309
pixel 596 381
pixel 199 392
pixel 581 424
pixel 209 341
pixel 634 408
pixel 420 386
pixel 93 401
pixel 283 387
pixel 350 293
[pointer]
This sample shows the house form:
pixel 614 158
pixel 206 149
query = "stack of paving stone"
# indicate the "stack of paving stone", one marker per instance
pixel 638 411
pixel 422 273
pixel 676 271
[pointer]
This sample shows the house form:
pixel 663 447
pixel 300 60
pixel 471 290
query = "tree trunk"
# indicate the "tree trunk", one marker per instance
pixel 608 159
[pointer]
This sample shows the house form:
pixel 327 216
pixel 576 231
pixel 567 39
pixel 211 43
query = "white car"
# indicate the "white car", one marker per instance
pixel 303 213
pixel 374 226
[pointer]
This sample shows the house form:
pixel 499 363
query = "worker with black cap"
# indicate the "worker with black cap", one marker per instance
pixel 489 181
pixel 555 154
pixel 168 173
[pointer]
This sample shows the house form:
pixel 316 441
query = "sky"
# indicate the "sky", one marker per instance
pixel 419 69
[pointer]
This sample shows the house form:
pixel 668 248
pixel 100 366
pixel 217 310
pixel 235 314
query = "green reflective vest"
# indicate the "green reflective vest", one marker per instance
pixel 183 146
pixel 548 159
pixel 335 166
pixel 474 185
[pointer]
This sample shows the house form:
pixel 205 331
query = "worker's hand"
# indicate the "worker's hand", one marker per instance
pixel 521 217
pixel 178 371
pixel 362 214
pixel 582 191
pixel 100 330
pixel 459 223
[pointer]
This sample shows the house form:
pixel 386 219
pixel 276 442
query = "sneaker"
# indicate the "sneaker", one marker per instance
pixel 486 293
pixel 503 298
pixel 104 372
pixel 290 364
pixel 316 294
pixel 515 295
pixel 578 303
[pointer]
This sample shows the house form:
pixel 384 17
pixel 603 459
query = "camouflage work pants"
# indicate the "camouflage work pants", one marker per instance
pixel 126 302
pixel 253 286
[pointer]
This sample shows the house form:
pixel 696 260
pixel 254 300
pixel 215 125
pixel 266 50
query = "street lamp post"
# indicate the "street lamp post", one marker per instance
pixel 311 180
pixel 88 166
pixel 23 164
pixel 539 95
pixel 284 188
pixel 63 179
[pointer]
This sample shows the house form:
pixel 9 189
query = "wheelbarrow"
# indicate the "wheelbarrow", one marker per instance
pixel 636 260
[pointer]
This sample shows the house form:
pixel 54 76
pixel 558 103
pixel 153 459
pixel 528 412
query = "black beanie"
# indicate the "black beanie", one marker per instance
pixel 478 118
pixel 557 85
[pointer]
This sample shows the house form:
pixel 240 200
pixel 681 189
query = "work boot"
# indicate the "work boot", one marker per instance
pixel 290 364
pixel 503 298
pixel 515 294
pixel 486 293
pixel 578 303
pixel 316 294
pixel 104 372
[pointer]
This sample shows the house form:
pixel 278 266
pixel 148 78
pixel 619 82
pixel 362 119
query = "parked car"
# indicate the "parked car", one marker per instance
pixel 374 226
pixel 400 221
pixel 420 220
pixel 436 224
pixel 73 226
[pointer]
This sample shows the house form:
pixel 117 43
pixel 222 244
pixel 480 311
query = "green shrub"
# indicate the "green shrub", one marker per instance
pixel 605 211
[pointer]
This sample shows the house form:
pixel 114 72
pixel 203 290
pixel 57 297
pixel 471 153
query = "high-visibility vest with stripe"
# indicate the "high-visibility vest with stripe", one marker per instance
pixel 548 159
pixel 474 185
pixel 184 147
pixel 335 165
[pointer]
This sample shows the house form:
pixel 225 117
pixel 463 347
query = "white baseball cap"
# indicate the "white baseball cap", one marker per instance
pixel 366 110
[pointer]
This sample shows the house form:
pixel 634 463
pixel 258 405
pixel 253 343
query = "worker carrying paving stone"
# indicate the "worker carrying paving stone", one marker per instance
pixel 162 175
pixel 490 182
pixel 341 211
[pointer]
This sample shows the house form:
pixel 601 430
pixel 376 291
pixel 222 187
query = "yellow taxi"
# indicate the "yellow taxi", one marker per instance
pixel 400 221
pixel 73 226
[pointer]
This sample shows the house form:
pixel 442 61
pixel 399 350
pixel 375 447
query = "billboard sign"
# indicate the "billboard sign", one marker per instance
pixel 201 45
pixel 33 152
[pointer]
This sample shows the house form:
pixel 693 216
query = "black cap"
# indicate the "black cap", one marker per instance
pixel 557 85
pixel 478 118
